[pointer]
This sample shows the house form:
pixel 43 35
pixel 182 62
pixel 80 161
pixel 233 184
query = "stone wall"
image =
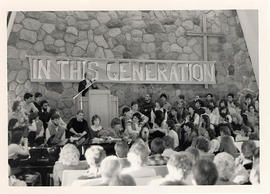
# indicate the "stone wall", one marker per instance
pixel 127 34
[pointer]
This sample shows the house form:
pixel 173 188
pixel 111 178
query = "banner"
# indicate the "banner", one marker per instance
pixel 72 69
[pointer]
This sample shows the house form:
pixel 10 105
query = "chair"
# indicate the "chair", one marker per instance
pixel 140 181
pixel 160 170
pixel 71 175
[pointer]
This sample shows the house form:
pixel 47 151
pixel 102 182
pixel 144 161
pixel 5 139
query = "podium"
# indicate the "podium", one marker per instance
pixel 99 102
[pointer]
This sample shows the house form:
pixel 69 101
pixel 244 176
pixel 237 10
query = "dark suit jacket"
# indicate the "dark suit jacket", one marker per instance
pixel 82 86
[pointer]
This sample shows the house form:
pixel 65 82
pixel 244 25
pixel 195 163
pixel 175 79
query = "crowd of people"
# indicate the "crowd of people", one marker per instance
pixel 196 140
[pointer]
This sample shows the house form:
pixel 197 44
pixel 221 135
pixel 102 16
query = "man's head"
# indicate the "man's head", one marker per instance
pixel 127 112
pixel 55 119
pixel 147 98
pixel 138 154
pixel 44 104
pixel 202 144
pixel 134 106
pixel 247 148
pixel 179 166
pixel 225 165
pixel 38 96
pixel 163 97
pixel 205 173
pixel 28 97
pixel 116 124
pixel 109 168
pixel 121 149
pixel 194 153
pixel 94 155
pixel 157 146
pixel 80 115
pixel 230 97
pixel 209 97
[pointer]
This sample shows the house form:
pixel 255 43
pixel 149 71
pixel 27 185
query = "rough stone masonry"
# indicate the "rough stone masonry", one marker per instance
pixel 158 35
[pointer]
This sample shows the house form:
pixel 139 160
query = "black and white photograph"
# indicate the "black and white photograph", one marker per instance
pixel 146 97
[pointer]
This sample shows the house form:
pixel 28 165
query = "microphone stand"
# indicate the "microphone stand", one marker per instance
pixel 74 97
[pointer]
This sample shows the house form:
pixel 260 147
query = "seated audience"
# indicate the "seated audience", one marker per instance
pixel 18 113
pixel 214 146
pixel 164 99
pixel 204 173
pixel 121 150
pixel 78 130
pixel 169 146
pixel 146 106
pixel 229 171
pixel 61 122
pixel 94 156
pixel 202 144
pixel 55 134
pixel 157 148
pixel 127 124
pixel 171 131
pixel 179 170
pixel 244 133
pixel 188 136
pixel 135 109
pixel 158 114
pixel 227 145
pixel 247 151
pixel 225 167
pixel 137 156
pixel 194 154
pixel 122 180
pixel 15 148
pixel 136 124
pixel 45 114
pixel 35 130
pixel 254 176
pixel 12 124
pixel 27 104
pixel 109 168
pixel 144 135
pixel 116 128
pixel 225 117
pixel 199 107
pixel 204 127
pixel 255 135
pixel 37 100
pixel 192 116
pixel 96 127
pixel 69 159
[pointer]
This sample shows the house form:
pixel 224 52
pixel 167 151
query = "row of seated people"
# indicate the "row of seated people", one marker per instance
pixel 204 115
pixel 136 164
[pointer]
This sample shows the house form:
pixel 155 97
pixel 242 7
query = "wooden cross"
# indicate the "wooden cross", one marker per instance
pixel 204 34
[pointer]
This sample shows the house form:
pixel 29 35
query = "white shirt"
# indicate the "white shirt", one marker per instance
pixel 174 135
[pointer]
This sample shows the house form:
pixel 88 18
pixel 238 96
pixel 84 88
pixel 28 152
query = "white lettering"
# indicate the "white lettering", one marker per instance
pixel 110 74
pixel 209 72
pixel 200 76
pixel 138 71
pixel 74 70
pixel 46 70
pixel 174 73
pixel 161 72
pixel 148 76
pixel 125 71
